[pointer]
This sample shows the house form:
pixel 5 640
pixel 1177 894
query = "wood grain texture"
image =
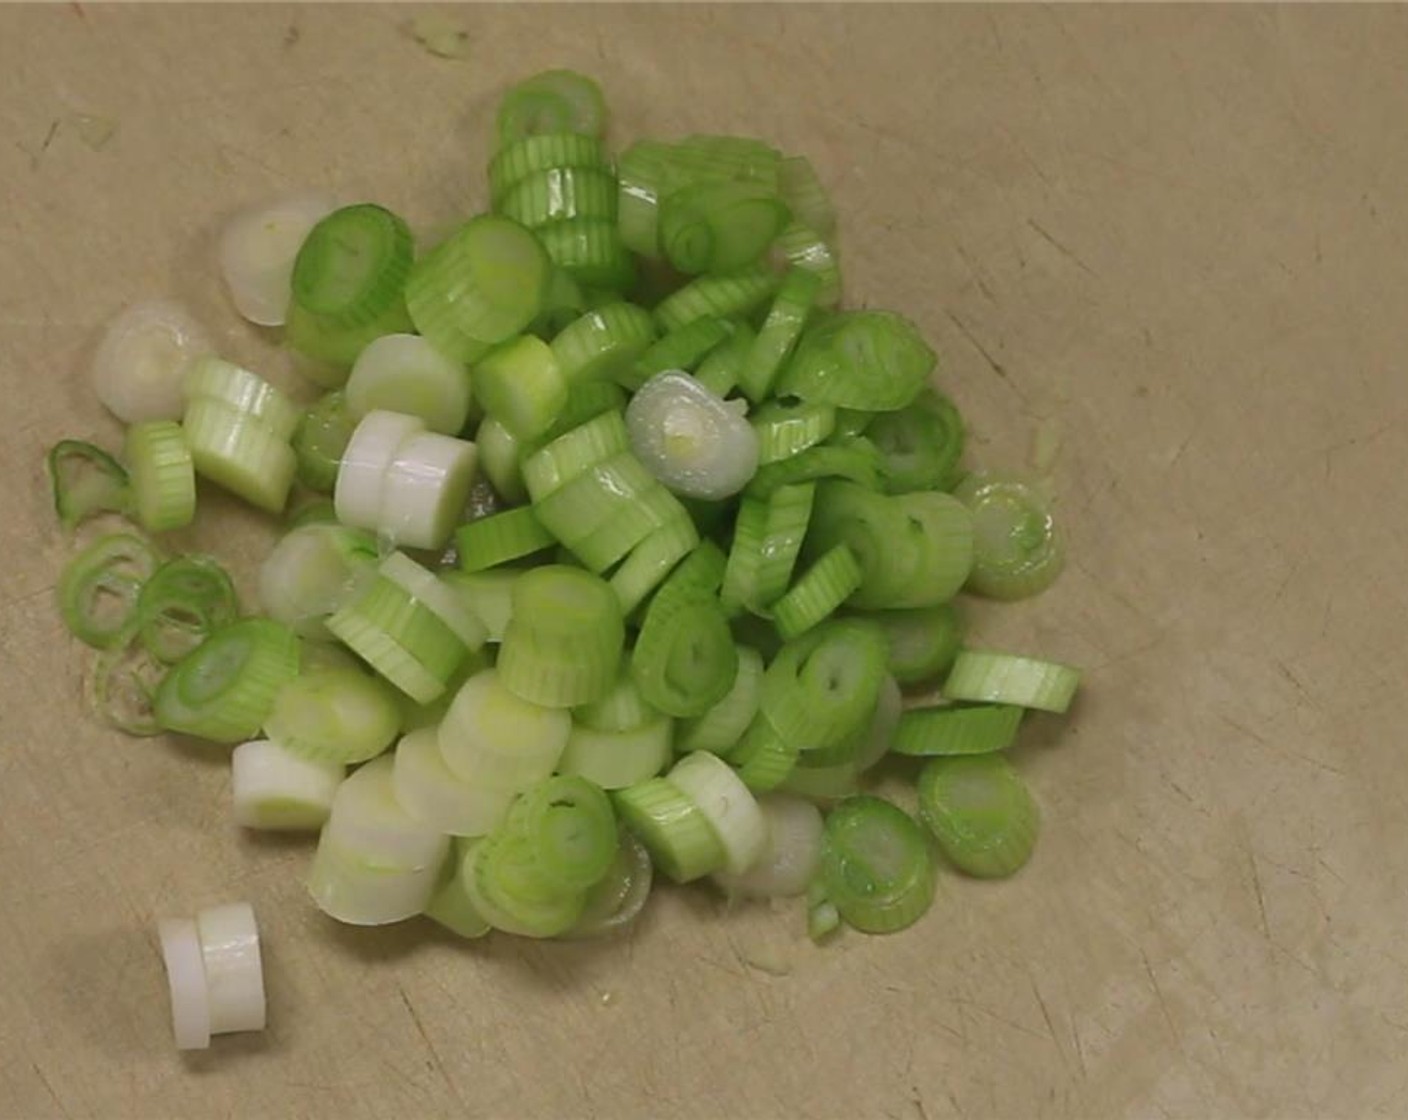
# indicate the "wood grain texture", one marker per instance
pixel 1176 235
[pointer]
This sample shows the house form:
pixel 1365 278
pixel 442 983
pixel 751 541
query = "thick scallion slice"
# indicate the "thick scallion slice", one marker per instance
pixel 568 823
pixel 691 440
pixel 361 477
pixel 721 226
pixel 238 451
pixel 683 349
pixel 520 385
pixel 489 595
pixel 790 856
pixel 603 344
pixel 563 641
pixel 586 400
pixel 322 437
pixel 727 804
pixel 763 759
pixel 225 688
pixel 122 686
pixel 981 812
pixel 767 538
pixel 405 373
pixel 502 878
pixel 334 715
pixel 787 427
pixel 86 481
pixel 823 919
pixel 312 572
pixel 185 977
pixel 922 643
pixel 481 285
pixel 821 688
pixel 681 841
pixel 492 737
pixel 957 729
pixel 181 604
pixel 1004 678
pixel 330 350
pixel 543 152
pixel 618 898
pixel 722 726
pixel 621 709
pixel 560 193
pixel 99 588
pixel 356 890
pixel 649 563
pixel 720 370
pixel 779 333
pixel 427 588
pixel 817 594
pixel 921 444
pixel 551 467
pixel 499 458
pixel 553 101
pixel 800 246
pixel 511 535
pixel 142 361
pixel 163 476
pixel 805 196
pixel 273 789
pixel 234 971
pixel 1017 548
pixel 859 359
pixel 426 488
pixel 352 266
pixel 876 865
pixel 369 822
pixel 257 251
pixel 590 251
pixel 214 379
pixel 685 660
pixel 725 296
pixel 621 758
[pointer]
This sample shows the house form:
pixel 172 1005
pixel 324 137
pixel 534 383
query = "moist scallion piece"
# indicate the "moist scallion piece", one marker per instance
pixel 489 595
pixel 854 460
pixel 787 427
pixel 981 812
pixel 767 539
pixel 500 459
pixel 763 759
pixel 183 602
pixel 521 385
pixel 334 715
pixel 1004 678
pixel 551 467
pixel 499 538
pixel 436 796
pixel 330 350
pixel 697 444
pixel 257 251
pixel 143 359
pixel 920 444
pixel 720 370
pixel 272 789
pixel 99 588
pixel 779 333
pixel 725 296
pixel 800 246
pixel 86 481
pixel 405 373
pixel 543 152
pixel 352 266
pixel 619 758
pixel 681 349
pixel 226 687
pixel 817 594
pixel 718 227
pixel 805 196
pixel 607 510
pixel 321 438
pixel 215 380
pixel 681 841
pixel 651 561
pixel 569 824
pixel 451 905
pixel 495 739
pixel 502 878
pixel 727 804
pixel 859 359
pixel 1017 549
pixel 618 898
pixel 590 251
pixel 551 102
pixel 791 855
pixel 875 865
pixel 314 570
pixel 823 919
pixel 821 688
pixel 922 642
pixel 563 642
pixel 957 729
pixel 162 474
pixel 722 726
pixel 480 286
pixel 238 451
pixel 561 193
pixel 604 344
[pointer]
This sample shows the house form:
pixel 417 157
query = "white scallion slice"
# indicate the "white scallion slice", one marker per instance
pixel 143 358
pixel 354 890
pixel 693 441
pixel 275 790
pixel 432 793
pixel 234 971
pixel 727 804
pixel 185 976
pixel 357 493
pixel 368 823
pixel 441 599
pixel 312 571
pixel 405 373
pixel 791 855
pixel 257 251
pixel 426 489
pixel 491 737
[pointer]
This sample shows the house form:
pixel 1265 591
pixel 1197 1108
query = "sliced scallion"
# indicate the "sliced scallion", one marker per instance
pixel 86 481
pixel 225 688
pixel 876 865
pixel 1004 678
pixel 957 729
pixel 1017 548
pixel 183 602
pixel 981 812
pixel 99 588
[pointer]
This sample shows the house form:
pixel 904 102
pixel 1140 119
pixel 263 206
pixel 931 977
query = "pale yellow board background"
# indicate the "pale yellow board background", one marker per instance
pixel 1175 235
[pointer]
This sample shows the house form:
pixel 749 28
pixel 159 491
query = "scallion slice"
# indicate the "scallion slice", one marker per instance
pixel 183 602
pixel 691 440
pixel 405 373
pixel 767 539
pixel 543 152
pixel 553 101
pixel 859 359
pixel 560 193
pixel 216 380
pixel 763 759
pixel 312 572
pixel 779 334
pixel 802 247
pixel 99 588
pixel 921 444
pixel 257 251
pixel 143 359
pixel 352 267
pixel 521 386
pixel 981 812
pixel 273 789
pixel 499 458
pixel 853 459
pixel 492 737
pixel 922 642
pixel 816 596
pixel 1004 678
pixel 957 729
pixel 86 481
pixel 720 226
pixel 620 758
pixel 451 905
pixel 724 297
pixel 1017 549
pixel 340 716
pixel 226 687
pixel 727 804
pixel 568 823
pixel 805 196
pixel 502 877
pixel 590 251
pixel 787 427
pixel 163 475
pixel 616 901
pixel 876 865
pixel 238 451
pixel 683 349
pixel 563 641
pixel 790 857
pixel 322 437
pixel 650 562
pixel 499 538
pixel 720 370
pixel 604 344
pixel 551 467
pixel 722 726
pixel 822 687
pixel 439 798
pixel 681 841
pixel 122 686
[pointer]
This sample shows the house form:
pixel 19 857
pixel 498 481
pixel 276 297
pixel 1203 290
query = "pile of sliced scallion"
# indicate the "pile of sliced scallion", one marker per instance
pixel 727 525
